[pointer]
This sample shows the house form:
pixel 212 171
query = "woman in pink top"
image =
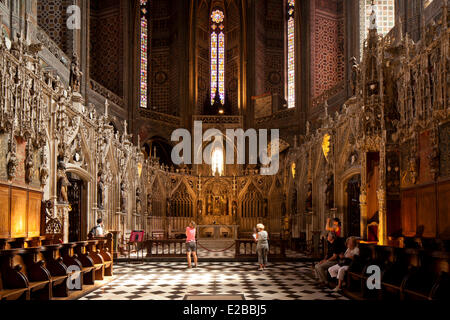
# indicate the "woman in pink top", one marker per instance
pixel 191 245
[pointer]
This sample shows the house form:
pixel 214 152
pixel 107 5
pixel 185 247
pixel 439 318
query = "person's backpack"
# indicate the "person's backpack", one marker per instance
pixel 92 232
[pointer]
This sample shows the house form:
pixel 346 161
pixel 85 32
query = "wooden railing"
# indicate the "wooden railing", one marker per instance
pixel 165 248
pixel 247 248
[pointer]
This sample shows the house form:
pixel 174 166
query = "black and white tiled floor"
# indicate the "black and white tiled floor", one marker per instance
pixel 173 281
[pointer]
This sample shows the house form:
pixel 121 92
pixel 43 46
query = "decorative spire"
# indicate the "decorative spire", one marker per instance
pixel 373 18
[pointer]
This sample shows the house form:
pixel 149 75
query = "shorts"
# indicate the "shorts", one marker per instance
pixel 191 246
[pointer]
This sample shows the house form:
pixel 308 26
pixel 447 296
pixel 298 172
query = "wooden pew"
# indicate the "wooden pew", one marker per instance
pixel 70 259
pixel 395 271
pixel 42 272
pixel 357 272
pixel 13 294
pixel 99 263
pixel 87 263
pixel 104 251
pixel 425 276
pixel 39 278
pixel 53 262
pixel 13 283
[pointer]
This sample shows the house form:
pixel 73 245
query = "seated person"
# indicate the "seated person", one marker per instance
pixel 335 248
pixel 335 227
pixel 338 271
pixel 98 230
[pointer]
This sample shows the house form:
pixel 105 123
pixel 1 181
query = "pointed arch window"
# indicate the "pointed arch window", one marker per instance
pixel 217 55
pixel 144 44
pixel 291 54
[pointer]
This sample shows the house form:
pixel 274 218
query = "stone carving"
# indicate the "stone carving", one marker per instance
pixel 355 75
pixel 75 74
pixel 62 182
pixel 123 197
pixel 29 163
pixel 138 201
pixel 11 158
pixel 100 190
pixel 44 172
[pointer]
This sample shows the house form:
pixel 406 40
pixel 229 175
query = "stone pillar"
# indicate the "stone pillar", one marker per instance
pixel 382 227
pixel 363 196
pixel 381 196
pixel 62 212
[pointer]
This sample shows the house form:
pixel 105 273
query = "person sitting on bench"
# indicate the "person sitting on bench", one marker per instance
pixel 97 231
pixel 338 271
pixel 335 248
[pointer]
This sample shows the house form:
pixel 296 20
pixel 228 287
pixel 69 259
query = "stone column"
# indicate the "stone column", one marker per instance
pixel 381 196
pixel 62 212
pixel 363 196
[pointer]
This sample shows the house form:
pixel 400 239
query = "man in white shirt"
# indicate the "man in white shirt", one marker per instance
pixel 98 232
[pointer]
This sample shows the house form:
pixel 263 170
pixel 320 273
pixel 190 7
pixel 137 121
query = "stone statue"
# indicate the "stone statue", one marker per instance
pixel 44 172
pixel 373 20
pixel 11 159
pixel 29 165
pixel 199 207
pixel 100 188
pixel 63 182
pixel 75 74
pixel 355 74
pixel 234 209
pixel 123 198
pixel 138 201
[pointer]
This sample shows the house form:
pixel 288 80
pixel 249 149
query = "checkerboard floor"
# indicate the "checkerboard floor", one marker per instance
pixel 173 281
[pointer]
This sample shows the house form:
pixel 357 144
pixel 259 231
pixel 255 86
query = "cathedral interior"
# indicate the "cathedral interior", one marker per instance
pixel 99 97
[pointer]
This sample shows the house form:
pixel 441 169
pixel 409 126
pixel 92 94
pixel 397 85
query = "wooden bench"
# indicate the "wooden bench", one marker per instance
pixel 55 265
pixel 406 274
pixel 70 259
pixel 38 277
pixel 104 251
pixel 13 294
pixel 40 268
pixel 88 266
pixel 13 284
pixel 94 254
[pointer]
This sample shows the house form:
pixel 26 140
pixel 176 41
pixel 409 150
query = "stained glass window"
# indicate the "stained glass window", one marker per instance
pixel 217 55
pixel 385 12
pixel 291 54
pixel 144 54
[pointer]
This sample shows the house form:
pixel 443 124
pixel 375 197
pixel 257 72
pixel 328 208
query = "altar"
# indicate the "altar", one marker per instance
pixel 217 232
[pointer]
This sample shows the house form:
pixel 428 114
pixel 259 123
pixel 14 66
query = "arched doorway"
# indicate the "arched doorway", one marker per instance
pixel 353 191
pixel 77 195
